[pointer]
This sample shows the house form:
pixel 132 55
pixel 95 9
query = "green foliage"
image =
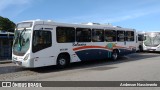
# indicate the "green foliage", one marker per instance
pixel 6 24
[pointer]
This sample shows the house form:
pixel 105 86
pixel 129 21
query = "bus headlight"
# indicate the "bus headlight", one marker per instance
pixel 26 57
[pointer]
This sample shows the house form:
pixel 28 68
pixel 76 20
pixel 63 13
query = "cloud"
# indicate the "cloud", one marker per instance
pixel 133 15
pixel 112 18
pixel 116 18
pixel 14 6
pixel 111 14
pixel 104 19
pixel 125 17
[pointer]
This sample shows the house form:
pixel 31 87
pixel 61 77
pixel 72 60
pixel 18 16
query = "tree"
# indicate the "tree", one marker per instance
pixel 6 24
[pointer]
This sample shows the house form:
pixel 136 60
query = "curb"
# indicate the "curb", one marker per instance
pixel 5 61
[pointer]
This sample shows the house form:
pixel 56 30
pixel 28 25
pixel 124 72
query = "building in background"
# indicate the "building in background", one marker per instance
pixel 6 40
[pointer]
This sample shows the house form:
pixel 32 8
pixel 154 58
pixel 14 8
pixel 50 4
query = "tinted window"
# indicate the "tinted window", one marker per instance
pixel 141 37
pixel 65 34
pixel 110 35
pixel 120 36
pixel 97 35
pixel 129 36
pixel 41 40
pixel 83 35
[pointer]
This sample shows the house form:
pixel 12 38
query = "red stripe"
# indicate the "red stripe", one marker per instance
pixel 85 47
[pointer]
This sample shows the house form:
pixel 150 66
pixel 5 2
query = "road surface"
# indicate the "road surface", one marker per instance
pixel 134 67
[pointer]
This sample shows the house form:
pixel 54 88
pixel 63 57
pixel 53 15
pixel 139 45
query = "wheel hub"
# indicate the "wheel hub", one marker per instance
pixel 62 61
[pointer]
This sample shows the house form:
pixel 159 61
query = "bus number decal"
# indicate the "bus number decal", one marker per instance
pixel 64 49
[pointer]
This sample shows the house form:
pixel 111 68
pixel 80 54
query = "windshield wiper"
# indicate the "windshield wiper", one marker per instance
pixel 20 37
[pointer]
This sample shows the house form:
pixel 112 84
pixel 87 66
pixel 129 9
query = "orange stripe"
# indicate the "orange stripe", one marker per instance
pixel 85 47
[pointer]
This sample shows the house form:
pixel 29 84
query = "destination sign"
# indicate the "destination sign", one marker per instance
pixel 24 25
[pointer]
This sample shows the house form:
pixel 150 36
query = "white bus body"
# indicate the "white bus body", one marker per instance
pixel 152 41
pixel 40 43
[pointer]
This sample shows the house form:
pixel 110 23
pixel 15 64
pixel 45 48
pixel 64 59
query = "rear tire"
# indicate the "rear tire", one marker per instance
pixel 62 61
pixel 114 55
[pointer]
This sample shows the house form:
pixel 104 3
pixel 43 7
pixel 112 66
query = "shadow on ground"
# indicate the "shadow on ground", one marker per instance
pixel 96 64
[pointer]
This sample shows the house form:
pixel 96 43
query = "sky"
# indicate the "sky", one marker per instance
pixel 142 15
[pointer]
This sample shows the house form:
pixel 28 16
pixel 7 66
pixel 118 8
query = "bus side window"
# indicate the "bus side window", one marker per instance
pixel 129 36
pixel 141 37
pixel 97 35
pixel 65 34
pixel 83 35
pixel 110 35
pixel 120 36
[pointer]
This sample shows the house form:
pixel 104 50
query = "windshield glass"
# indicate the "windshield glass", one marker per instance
pixel 152 40
pixel 21 41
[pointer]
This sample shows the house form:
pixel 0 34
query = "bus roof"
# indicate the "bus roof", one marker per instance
pixel 83 25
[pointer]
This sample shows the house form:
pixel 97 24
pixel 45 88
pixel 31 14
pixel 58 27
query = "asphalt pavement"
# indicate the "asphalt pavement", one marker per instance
pixel 134 67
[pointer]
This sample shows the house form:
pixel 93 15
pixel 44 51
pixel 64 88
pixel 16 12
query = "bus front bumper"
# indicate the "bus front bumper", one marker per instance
pixel 26 64
pixel 151 49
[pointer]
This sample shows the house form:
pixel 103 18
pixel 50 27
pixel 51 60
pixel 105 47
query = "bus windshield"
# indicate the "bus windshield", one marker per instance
pixel 152 40
pixel 21 41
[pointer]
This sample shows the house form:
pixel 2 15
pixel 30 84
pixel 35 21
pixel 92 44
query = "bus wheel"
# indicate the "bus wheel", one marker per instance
pixel 114 55
pixel 62 61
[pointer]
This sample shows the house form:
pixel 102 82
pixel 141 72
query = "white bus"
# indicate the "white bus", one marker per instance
pixel 40 43
pixel 152 41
